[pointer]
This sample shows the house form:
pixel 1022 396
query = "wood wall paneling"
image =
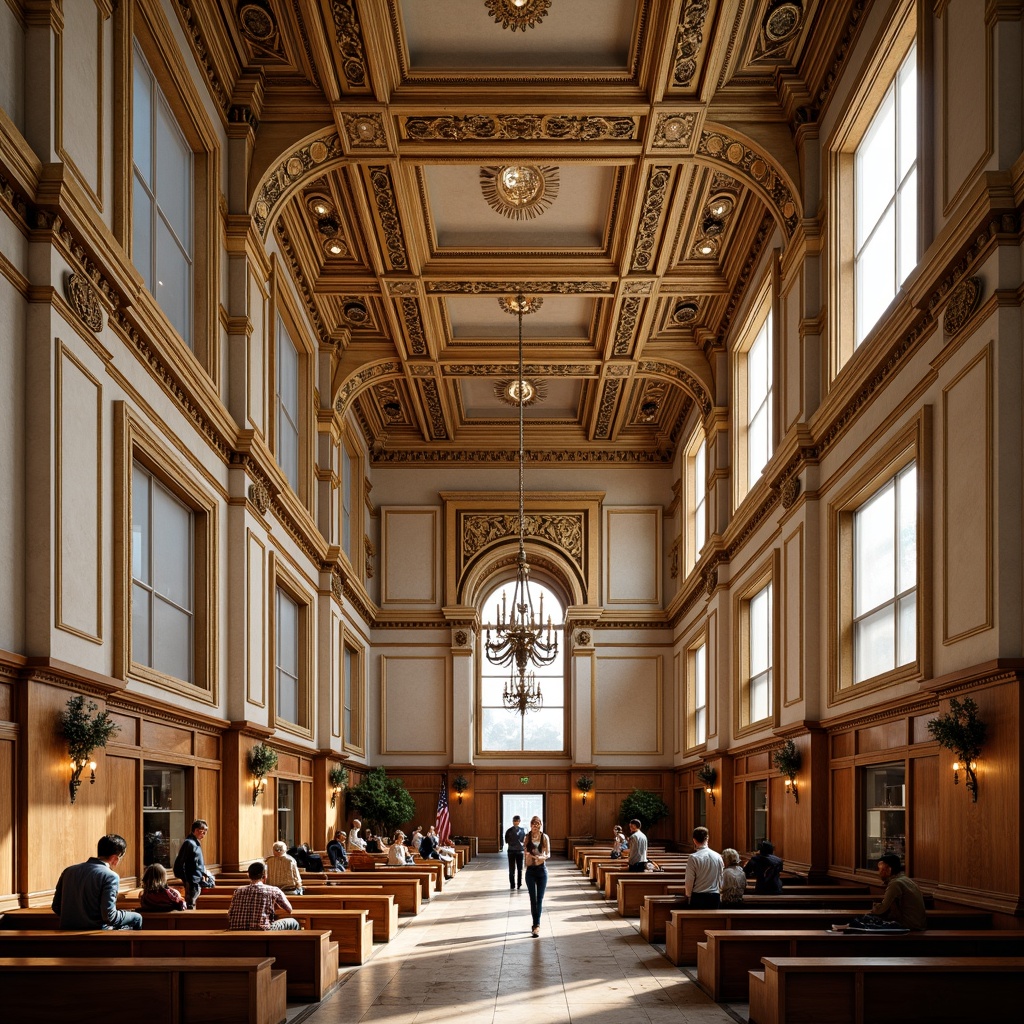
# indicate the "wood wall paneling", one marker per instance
pixel 122 784
pixel 923 838
pixel 843 854
pixel 8 753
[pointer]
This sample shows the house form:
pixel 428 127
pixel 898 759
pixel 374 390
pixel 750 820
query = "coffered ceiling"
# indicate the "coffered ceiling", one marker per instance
pixel 653 154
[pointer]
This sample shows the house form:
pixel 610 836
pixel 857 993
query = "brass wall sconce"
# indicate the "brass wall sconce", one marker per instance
pixel 787 762
pixel 84 732
pixel 338 778
pixel 584 784
pixel 261 760
pixel 962 732
pixel 77 767
pixel 259 787
pixel 970 769
pixel 460 784
pixel 707 775
pixel 791 787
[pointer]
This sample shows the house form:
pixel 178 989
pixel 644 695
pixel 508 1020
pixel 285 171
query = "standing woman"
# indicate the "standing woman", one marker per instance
pixel 537 849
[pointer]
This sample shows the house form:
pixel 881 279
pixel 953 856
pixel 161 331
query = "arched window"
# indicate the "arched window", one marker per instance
pixel 543 729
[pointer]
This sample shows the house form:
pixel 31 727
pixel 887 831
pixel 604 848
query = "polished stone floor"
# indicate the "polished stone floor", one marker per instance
pixel 468 958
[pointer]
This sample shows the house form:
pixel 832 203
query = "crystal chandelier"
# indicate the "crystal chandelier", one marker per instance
pixel 521 641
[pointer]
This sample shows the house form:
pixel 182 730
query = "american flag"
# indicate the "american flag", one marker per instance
pixel 443 824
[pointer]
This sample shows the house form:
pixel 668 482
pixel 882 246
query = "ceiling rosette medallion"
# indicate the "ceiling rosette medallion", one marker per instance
pixel 520 191
pixel 517 14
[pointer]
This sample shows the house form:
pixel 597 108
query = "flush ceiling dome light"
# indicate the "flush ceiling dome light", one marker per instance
pixel 517 14
pixel 519 191
pixel 507 391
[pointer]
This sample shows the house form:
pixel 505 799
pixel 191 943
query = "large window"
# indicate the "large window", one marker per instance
pixel 163 213
pixel 753 394
pixel 697 695
pixel 346 500
pixel 755 653
pixel 759 401
pixel 696 497
pixel 885 199
pixel 163 556
pixel 287 657
pixel 352 699
pixel 885 578
pixel 287 399
pixel 502 730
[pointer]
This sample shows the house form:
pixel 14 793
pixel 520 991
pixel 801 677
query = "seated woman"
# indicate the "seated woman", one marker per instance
pixel 398 852
pixel 620 843
pixel 156 894
pixel 372 843
pixel 283 871
pixel 734 881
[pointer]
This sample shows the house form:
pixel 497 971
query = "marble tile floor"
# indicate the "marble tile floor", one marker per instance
pixel 468 958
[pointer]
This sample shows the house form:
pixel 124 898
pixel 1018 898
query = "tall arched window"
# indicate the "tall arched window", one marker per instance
pixel 543 729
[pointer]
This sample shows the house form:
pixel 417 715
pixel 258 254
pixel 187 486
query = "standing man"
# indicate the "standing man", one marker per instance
pixel 514 837
pixel 86 893
pixel 637 847
pixel 254 906
pixel 189 865
pixel 705 871
pixel 902 901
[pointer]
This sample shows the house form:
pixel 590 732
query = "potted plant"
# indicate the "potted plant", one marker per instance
pixel 338 779
pixel 961 731
pixel 383 803
pixel 584 784
pixel 787 762
pixel 261 761
pixel 84 733
pixel 645 806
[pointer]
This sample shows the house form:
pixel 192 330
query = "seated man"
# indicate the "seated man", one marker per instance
pixel 336 852
pixel 86 893
pixel 902 901
pixel 253 906
pixel 766 870
pixel 283 871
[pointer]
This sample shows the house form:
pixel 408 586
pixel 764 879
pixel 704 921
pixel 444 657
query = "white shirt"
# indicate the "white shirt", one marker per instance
pixel 705 870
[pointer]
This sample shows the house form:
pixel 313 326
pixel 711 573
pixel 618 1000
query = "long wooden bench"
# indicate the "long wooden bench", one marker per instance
pixel 309 958
pixel 655 908
pixel 686 928
pixel 886 990
pixel 725 958
pixel 89 990
pixel 609 879
pixel 407 892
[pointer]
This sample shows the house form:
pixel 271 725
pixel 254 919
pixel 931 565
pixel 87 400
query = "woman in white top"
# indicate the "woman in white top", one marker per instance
pixel 398 855
pixel 734 881
pixel 283 871
pixel 537 849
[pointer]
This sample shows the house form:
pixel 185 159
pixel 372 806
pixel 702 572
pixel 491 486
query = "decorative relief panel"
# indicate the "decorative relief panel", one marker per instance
pixel 518 127
pixel 654 203
pixel 364 132
pixel 625 329
pixel 432 397
pixel 387 211
pixel 514 287
pixel 674 130
pixel 685 379
pixel 365 376
pixel 478 530
pixel 85 301
pixel 689 40
pixel 350 42
pixel 413 321
pixel 606 410
pixel 290 171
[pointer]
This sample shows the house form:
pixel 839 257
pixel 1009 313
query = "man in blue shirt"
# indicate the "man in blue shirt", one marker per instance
pixel 514 837
pixel 86 894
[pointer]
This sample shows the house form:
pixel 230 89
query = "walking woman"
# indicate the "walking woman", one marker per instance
pixel 537 849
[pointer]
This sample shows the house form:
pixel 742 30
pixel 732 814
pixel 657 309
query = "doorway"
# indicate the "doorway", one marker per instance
pixel 526 805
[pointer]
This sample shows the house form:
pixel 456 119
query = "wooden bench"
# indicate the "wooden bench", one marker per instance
pixel 884 990
pixel 609 878
pixel 725 959
pixel 309 958
pixel 686 928
pixel 407 892
pixel 88 990
pixel 655 909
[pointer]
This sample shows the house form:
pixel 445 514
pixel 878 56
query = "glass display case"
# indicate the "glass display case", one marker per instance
pixel 163 813
pixel 885 812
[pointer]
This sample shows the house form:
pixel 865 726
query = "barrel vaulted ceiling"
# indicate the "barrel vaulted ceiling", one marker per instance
pixel 654 154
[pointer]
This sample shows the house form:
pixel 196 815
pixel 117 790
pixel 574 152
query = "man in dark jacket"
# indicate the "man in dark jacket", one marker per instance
pixel 766 869
pixel 514 837
pixel 86 893
pixel 189 865
pixel 336 852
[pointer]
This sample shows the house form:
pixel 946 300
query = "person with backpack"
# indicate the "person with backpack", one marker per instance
pixel 189 865
pixel 766 869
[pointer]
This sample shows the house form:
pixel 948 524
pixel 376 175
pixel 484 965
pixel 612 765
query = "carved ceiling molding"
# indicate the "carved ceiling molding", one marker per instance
pixel 606 410
pixel 364 377
pixel 314 156
pixel 515 287
pixel 842 50
pixel 658 179
pixel 187 17
pixel 625 329
pixel 779 31
pixel 432 397
pixel 560 456
pixel 412 317
pixel 519 15
pixel 364 132
pixel 518 128
pixel 387 211
pixel 349 37
pixel 689 40
pixel 674 131
pixel 686 380
pixel 740 158
pixel 480 530
pixel 529 369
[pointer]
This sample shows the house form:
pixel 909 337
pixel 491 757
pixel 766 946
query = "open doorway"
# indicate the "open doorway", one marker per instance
pixel 526 805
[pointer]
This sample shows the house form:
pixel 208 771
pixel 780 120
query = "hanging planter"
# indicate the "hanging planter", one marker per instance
pixel 707 777
pixel 261 760
pixel 584 784
pixel 338 779
pixel 84 733
pixel 787 762
pixel 961 731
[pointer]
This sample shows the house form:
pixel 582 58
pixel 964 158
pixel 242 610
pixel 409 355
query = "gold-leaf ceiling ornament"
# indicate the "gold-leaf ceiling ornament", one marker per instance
pixel 519 191
pixel 517 14
pixel 507 391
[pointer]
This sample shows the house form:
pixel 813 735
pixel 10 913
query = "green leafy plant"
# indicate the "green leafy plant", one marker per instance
pixel 383 803
pixel 338 778
pixel 261 761
pixel 787 762
pixel 706 775
pixel 644 805
pixel 584 784
pixel 460 784
pixel 961 731
pixel 84 732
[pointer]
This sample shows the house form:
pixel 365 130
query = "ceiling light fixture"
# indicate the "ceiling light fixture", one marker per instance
pixel 517 14
pixel 519 191
pixel 521 641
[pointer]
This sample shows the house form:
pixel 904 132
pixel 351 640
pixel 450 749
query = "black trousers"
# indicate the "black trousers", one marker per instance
pixel 515 865
pixel 640 865
pixel 705 900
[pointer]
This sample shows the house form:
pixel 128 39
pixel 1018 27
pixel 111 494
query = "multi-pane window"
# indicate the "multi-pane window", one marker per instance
pixel 346 500
pixel 163 602
pixel 287 402
pixel 162 202
pixel 759 655
pixel 885 200
pixel 759 401
pixel 700 694
pixel 348 666
pixel 287 654
pixel 696 498
pixel 541 729
pixel 885 578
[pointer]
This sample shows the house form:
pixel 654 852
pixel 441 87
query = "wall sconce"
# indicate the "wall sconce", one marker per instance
pixel 338 778
pixel 787 762
pixel 970 769
pixel 962 732
pixel 77 768
pixel 84 732
pixel 791 788
pixel 584 784
pixel 707 775
pixel 460 784
pixel 261 760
